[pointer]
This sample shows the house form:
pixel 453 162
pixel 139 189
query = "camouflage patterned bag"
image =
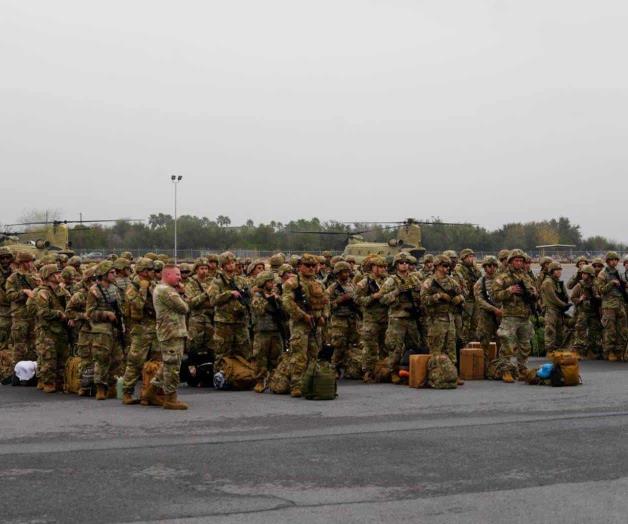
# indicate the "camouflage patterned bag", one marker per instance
pixel 319 382
pixel 6 366
pixel 442 373
pixel 279 382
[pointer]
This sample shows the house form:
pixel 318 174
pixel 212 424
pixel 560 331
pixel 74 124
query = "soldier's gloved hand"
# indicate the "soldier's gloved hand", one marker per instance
pixel 144 284
pixel 458 299
pixel 444 297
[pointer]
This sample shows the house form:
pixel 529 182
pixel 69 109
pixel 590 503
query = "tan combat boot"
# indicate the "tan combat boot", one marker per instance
pixel 171 402
pixel 151 397
pixel 368 378
pixel 49 388
pixel 40 384
pixel 612 357
pixel 111 392
pixel 507 377
pixel 260 387
pixel 83 392
pixel 459 382
pixel 296 393
pixel 101 394
pixel 128 400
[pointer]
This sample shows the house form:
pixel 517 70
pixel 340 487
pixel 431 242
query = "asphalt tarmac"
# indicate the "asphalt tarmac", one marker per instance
pixel 487 452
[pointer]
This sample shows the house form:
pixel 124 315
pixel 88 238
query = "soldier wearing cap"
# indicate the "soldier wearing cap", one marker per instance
pixel 52 339
pixel 19 288
pixel 468 274
pixel 107 330
pixel 515 291
pixel 556 301
pixel 489 311
pixel 75 312
pixel 268 328
pixel 374 315
pixel 401 293
pixel 201 321
pixel 343 327
pixel 441 295
pixel 588 329
pixel 304 300
pixel 141 325
pixel 6 258
pixel 612 289
pixel 230 300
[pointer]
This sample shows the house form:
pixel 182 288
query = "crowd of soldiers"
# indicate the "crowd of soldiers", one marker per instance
pixel 283 313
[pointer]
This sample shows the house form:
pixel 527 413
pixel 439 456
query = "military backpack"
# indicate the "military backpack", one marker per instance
pixel 441 373
pixel 319 382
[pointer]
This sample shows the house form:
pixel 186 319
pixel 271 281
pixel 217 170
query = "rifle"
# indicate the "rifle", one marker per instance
pixel 119 322
pixel 562 294
pixel 487 297
pixel 415 312
pixel 245 296
pixel 278 317
pixel 372 286
pixel 350 304
pixel 302 301
pixel 529 299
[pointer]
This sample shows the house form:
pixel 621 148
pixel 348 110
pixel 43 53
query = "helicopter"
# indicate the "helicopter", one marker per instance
pixel 407 240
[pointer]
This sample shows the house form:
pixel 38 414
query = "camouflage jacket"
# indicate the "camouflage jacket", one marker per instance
pixel 483 294
pixel 76 309
pixel 586 298
pixel 197 295
pixel 100 301
pixel 553 294
pixel 139 301
pixel 267 311
pixel 5 304
pixel 612 297
pixel 122 283
pixel 342 309
pixel 16 282
pixel 372 310
pixel 402 295
pixel 303 296
pixel 51 304
pixel 571 283
pixel 467 276
pixel 228 309
pixel 441 296
pixel 423 274
pixel 514 305
pixel 170 311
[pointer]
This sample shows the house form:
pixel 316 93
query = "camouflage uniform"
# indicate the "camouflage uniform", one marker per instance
pixel 5 304
pixel 105 337
pixel 467 274
pixel 231 332
pixel 76 311
pixel 303 296
pixel 52 338
pixel 441 296
pixel 515 330
pixel 22 318
pixel 588 329
pixel 201 321
pixel 402 296
pixel 170 313
pixel 143 330
pixel 374 322
pixel 488 321
pixel 554 297
pixel 614 322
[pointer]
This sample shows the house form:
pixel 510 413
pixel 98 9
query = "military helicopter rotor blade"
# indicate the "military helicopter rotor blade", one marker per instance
pixel 63 222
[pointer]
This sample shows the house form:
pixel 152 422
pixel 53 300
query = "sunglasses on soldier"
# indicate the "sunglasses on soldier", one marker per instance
pixel 309 265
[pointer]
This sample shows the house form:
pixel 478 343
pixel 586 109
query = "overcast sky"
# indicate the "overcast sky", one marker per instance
pixel 486 111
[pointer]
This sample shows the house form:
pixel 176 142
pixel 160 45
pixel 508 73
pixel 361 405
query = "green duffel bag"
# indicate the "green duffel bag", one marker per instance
pixel 319 382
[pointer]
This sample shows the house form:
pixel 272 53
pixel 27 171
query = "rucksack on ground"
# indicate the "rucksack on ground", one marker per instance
pixel 149 371
pixel 566 371
pixel 441 373
pixel 72 375
pixel 319 382
pixel 279 381
pixel 6 366
pixel 239 373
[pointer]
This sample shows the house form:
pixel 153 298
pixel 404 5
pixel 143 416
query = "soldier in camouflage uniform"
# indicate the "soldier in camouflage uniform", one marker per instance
pixel 588 327
pixel 304 300
pixel 141 325
pixel 502 257
pixel 343 326
pixel 374 315
pixel 52 337
pixel 6 258
pixel 544 262
pixel 427 269
pixel 556 302
pixel 580 263
pixel 201 321
pixel 611 287
pixel 268 319
pixel 103 311
pixel 401 293
pixel 468 274
pixel 230 300
pixel 441 295
pixel 489 311
pixel 276 261
pixel 70 280
pixel 75 262
pixel 19 288
pixel 170 312
pixel 515 291
pixel 75 312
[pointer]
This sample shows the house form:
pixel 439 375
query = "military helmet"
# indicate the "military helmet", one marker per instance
pixel 412 260
pixel 227 257
pixel 544 261
pixel 284 268
pixel 323 260
pixel 401 257
pixel 378 260
pixel 151 255
pixel 159 265
pixel 6 252
pixel 490 261
pixel 351 259
pixel 112 256
pixel 23 257
pixel 326 254
pixel 428 258
pixel 259 262
pixel 554 266
pixel 89 273
pixel 144 264
pixel 48 259
pixel 212 257
pixel 294 260
pixel 121 263
pixel 69 273
pixel 185 268
pixel 199 262
pixel 128 255
pixel 589 270
pixel 582 258
pixel 264 277
pixel 516 253
pixel 503 254
pixel 442 260
pixel 308 259
pixel 341 266
pixel 63 257
pixel 75 261
pixel 466 252
pixel 597 261
pixel 48 270
pixel 612 255
pixel 335 259
pixel 625 259
pixel 276 260
pixel 103 268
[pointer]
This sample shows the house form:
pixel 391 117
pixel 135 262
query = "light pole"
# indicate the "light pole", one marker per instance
pixel 175 181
